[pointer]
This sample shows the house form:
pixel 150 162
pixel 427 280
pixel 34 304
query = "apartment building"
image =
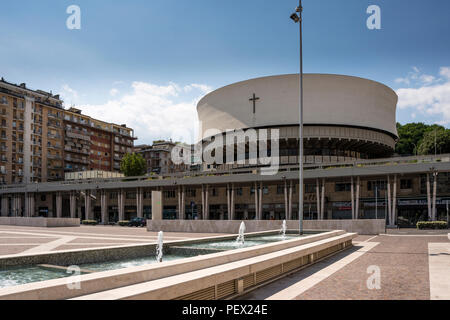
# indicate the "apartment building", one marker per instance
pixel 159 157
pixel 40 140
pixel 31 131
pixel 92 144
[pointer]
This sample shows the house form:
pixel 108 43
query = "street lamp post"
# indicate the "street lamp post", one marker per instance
pixel 297 17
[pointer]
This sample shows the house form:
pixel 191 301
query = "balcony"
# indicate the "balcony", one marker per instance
pixel 54 147
pixel 54 156
pixel 54 136
pixel 77 160
pixel 53 125
pixel 55 116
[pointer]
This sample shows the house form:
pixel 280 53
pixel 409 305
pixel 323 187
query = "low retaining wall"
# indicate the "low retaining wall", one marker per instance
pixel 107 280
pixel 365 227
pixel 40 222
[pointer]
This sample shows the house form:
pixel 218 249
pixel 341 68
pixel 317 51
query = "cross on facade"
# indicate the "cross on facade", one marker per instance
pixel 254 99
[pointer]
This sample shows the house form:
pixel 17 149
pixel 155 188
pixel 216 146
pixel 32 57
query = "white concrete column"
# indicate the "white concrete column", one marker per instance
pixel 58 205
pixel 232 202
pixel 104 206
pixel 394 201
pixel 203 202
pixel 389 201
pixel 291 188
pixel 139 203
pixel 179 202
pixel 29 208
pixel 121 205
pixel 322 206
pixel 183 203
pixel 260 207
pixel 352 190
pixel 229 202
pixel 286 203
pixel 430 216
pixel 206 217
pixel 434 211
pixel 256 202
pixel 73 203
pixel 358 182
pixel 319 214
pixel 88 205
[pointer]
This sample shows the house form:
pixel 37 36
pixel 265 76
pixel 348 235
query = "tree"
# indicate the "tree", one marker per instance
pixel 411 136
pixel 438 141
pixel 133 165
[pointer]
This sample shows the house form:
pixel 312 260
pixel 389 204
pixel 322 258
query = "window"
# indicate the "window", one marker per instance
pixel 169 194
pixel 239 191
pixel 405 184
pixel 130 195
pixel 280 189
pixel 191 193
pixel 340 187
pixel 310 188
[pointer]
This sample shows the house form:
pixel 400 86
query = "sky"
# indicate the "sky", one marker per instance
pixel 147 63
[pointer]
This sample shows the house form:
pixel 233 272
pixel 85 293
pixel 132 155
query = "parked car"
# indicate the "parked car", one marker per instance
pixel 137 222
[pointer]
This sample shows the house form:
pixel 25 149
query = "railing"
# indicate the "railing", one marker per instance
pixel 355 164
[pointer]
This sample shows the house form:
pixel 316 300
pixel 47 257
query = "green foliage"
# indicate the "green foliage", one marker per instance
pixel 123 223
pixel 432 225
pixel 133 165
pixel 440 138
pixel 411 136
pixel 89 222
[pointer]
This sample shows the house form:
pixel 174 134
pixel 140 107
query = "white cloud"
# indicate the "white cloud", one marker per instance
pixel 113 92
pixel 154 111
pixel 68 94
pixel 431 98
pixel 415 77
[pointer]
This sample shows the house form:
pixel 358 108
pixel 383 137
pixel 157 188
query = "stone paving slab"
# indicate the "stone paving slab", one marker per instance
pixel 19 239
pixel 15 240
pixel 403 263
pixel 404 270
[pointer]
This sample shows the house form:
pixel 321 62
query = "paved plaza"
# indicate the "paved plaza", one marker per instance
pixel 411 267
pixel 30 240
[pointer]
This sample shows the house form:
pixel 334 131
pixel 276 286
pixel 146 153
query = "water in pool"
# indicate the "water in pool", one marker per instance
pixel 17 276
pixel 249 242
pixel 126 263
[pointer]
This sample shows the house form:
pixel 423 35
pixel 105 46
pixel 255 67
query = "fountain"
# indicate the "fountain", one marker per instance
pixel 283 229
pixel 240 238
pixel 159 247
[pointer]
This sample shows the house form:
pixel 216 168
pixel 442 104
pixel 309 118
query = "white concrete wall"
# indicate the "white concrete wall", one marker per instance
pixel 328 99
pixel 366 227
pixel 40 222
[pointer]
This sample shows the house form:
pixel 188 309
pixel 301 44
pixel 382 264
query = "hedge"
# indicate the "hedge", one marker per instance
pixel 124 223
pixel 432 225
pixel 89 222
